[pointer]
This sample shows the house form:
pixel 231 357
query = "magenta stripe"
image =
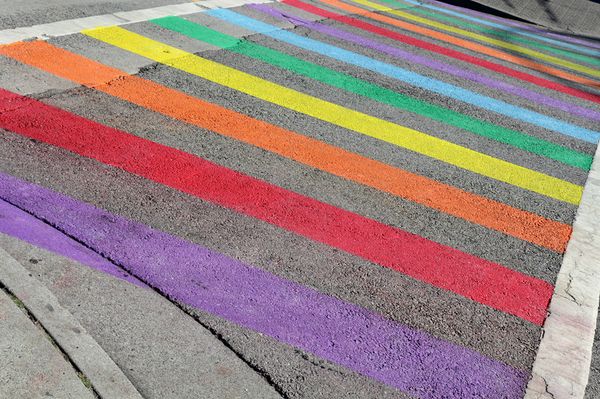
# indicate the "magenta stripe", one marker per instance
pixel 517 24
pixel 19 224
pixel 341 332
pixel 432 63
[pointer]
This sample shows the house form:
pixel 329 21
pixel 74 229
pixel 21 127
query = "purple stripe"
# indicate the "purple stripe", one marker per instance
pixel 394 354
pixel 517 24
pixel 19 224
pixel 432 63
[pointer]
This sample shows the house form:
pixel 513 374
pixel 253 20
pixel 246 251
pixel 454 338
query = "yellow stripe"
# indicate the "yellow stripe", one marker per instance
pixel 374 127
pixel 499 43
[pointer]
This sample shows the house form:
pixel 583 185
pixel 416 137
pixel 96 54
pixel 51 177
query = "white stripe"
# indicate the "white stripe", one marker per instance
pixel 158 12
pixel 71 26
pixel 562 364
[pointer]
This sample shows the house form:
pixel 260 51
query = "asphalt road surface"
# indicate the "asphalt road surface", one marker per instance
pixel 299 199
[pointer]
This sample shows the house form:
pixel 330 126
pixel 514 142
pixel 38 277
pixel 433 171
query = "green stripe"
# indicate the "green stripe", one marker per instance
pixel 375 92
pixel 507 36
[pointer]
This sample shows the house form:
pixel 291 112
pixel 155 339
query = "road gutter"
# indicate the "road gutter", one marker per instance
pixel 562 365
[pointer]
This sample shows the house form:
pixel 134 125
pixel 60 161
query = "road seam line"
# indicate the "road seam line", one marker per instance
pixel 562 365
pixel 108 380
pixel 76 25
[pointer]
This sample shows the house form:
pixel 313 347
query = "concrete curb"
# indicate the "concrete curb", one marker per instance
pixel 106 377
pixel 562 365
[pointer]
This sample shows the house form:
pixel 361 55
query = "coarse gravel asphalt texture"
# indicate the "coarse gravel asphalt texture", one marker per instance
pixel 145 212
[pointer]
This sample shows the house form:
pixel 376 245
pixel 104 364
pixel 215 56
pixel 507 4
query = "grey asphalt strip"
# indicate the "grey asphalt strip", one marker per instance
pixel 327 269
pixel 160 345
pixel 515 100
pixel 29 79
pixel 106 377
pixel 363 104
pixel 573 16
pixel 343 138
pixel 31 366
pixel 340 192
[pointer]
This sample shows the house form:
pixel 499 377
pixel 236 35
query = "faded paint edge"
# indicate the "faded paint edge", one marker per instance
pixel 71 26
pixel 562 365
pixel 106 377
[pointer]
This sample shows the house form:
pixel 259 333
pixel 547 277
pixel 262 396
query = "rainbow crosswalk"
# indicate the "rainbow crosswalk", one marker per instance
pixel 440 154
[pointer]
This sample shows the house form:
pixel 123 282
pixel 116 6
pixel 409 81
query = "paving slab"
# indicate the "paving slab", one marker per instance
pixel 194 255
pixel 32 367
pixel 163 351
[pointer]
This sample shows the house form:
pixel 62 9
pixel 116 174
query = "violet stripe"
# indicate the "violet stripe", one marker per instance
pixel 517 24
pixel 365 342
pixel 19 224
pixel 434 64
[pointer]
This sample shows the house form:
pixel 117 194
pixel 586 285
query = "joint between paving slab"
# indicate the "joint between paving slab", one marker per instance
pixel 23 307
pixel 68 336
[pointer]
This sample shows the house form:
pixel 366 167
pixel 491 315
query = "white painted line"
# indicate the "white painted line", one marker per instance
pixel 106 377
pixel 562 364
pixel 71 26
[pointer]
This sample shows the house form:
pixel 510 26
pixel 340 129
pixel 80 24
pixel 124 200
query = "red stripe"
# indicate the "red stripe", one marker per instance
pixel 445 51
pixel 445 267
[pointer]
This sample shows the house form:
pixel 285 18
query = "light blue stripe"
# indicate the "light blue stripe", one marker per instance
pixel 504 28
pixel 412 78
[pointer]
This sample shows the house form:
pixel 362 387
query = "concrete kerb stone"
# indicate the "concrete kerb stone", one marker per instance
pixel 562 365
pixel 106 377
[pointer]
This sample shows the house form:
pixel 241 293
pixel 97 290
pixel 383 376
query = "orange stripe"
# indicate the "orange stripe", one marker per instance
pixel 486 212
pixel 464 43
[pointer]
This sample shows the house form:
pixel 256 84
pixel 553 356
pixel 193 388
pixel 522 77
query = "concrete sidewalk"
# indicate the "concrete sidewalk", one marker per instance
pixel 581 17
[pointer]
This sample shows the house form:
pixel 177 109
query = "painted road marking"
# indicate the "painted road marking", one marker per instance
pixel 502 32
pixel 410 360
pixel 498 43
pixel 463 43
pixel 477 209
pixel 17 223
pixel 376 92
pixel 412 78
pixel 356 121
pixel 562 364
pixel 445 267
pixel 427 61
pixel 159 158
pixel 81 350
pixel 442 50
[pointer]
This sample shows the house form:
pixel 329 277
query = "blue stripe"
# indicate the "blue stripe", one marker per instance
pixel 504 28
pixel 409 77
